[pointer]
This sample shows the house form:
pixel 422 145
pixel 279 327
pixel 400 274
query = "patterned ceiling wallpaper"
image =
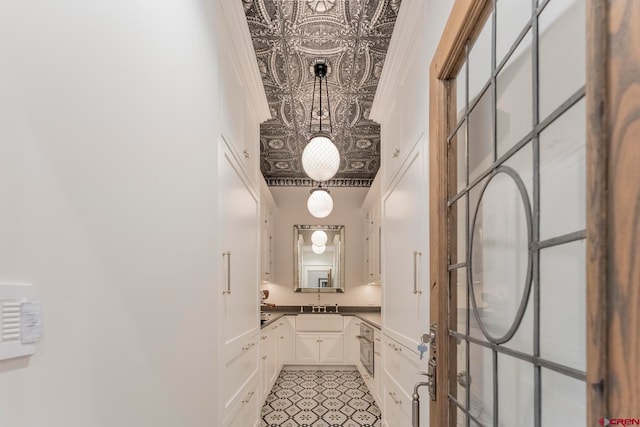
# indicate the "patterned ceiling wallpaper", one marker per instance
pixel 288 37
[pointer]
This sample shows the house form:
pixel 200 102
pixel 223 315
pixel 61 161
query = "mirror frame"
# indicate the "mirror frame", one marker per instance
pixel 296 271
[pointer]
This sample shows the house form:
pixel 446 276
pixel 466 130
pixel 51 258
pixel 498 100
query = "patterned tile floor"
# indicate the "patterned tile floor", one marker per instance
pixel 320 399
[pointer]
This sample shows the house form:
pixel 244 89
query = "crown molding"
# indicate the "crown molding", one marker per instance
pixel 399 53
pixel 245 57
pixel 308 182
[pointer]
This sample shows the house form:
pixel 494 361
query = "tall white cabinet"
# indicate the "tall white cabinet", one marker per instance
pixel 406 250
pixel 401 107
pixel 371 209
pixel 237 261
pixel 238 308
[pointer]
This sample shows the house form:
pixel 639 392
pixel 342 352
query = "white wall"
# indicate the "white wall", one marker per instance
pixel 292 209
pixel 109 122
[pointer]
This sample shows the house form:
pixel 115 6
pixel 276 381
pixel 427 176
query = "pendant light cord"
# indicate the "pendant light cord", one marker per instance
pixel 318 75
pixel 328 104
pixel 313 100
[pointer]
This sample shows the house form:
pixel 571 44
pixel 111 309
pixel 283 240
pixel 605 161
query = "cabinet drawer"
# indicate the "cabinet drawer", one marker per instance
pixel 240 365
pixel 245 410
pixel 397 404
pixel 402 364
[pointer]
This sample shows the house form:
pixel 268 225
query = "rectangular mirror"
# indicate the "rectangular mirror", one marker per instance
pixel 318 269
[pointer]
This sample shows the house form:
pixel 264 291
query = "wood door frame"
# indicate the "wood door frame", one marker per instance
pixel 613 201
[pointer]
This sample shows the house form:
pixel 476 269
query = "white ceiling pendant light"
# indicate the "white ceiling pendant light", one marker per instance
pixel 320 203
pixel 319 238
pixel 318 249
pixel 320 158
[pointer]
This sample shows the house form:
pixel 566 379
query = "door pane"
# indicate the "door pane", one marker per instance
pixel 459 237
pixel 511 16
pixel 461 369
pixel 514 98
pixel 459 278
pixel 459 141
pixel 480 136
pixel 500 254
pixel 481 377
pixel 563 175
pixel 461 92
pixel 563 400
pixel 562 304
pixel 562 46
pixel 480 61
pixel 515 392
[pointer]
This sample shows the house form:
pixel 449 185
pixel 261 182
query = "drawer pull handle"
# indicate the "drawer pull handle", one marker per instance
pixel 416 289
pixel 396 401
pixel 393 346
pixel 227 290
pixel 248 346
pixel 249 396
pixel 264 357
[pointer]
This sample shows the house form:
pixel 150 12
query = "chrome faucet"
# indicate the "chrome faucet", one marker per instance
pixel 318 308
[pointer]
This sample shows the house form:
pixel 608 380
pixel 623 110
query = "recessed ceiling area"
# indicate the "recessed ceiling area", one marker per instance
pixel 352 36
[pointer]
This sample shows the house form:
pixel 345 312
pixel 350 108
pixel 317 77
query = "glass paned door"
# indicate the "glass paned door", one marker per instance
pixel 516 219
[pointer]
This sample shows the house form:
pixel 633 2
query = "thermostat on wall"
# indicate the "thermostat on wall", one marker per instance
pixel 20 320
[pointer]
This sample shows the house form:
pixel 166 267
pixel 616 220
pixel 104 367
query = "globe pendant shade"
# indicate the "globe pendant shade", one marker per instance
pixel 319 238
pixel 320 158
pixel 318 249
pixel 320 203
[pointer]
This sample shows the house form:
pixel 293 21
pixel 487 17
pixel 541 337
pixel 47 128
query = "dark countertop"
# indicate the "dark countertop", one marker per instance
pixel 373 317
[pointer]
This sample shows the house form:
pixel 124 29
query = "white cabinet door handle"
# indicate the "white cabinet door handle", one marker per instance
pixel 416 289
pixel 227 290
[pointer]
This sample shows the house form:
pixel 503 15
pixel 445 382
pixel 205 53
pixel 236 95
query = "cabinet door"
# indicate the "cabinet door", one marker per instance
pixel 272 353
pixel 238 225
pixel 378 366
pixel 406 259
pixel 351 343
pixel 331 348
pixel 307 348
pixel 265 242
pixel 375 234
pixel 264 370
pixel 246 411
pixel 285 347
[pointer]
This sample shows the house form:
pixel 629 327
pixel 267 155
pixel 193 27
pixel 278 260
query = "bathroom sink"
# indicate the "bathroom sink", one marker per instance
pixel 319 323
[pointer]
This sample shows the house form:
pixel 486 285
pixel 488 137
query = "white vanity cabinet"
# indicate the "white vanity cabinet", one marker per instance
pixel 319 348
pixel 275 351
pixel 319 339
